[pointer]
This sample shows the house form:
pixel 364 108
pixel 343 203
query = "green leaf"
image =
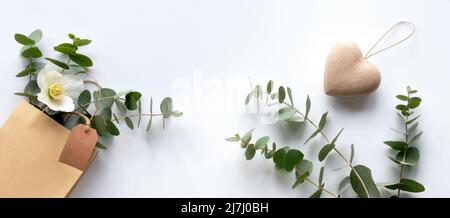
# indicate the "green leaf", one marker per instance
pixel 308 107
pixel 286 113
pixel 303 170
pixel 25 72
pixel 84 99
pixel 269 87
pixel 58 63
pixel 401 107
pixel 312 136
pixel 407 185
pixel 64 49
pixel 305 166
pixel 344 185
pixel 397 145
pixel 323 121
pixel 281 94
pixel 100 145
pixel 258 91
pixel 98 123
pixel 289 91
pixel 235 138
pixel 24 40
pixel 107 114
pixel 362 182
pixel 406 113
pixel 111 128
pixel 300 179
pixel 325 151
pixel 32 88
pixel 74 47
pixel 280 156
pixel 414 102
pixel 149 124
pixel 140 113
pixel 262 142
pixel 402 97
pixel 322 169
pixel 120 105
pixel 269 154
pixel 166 107
pixel 292 158
pixel 129 123
pixel 409 157
pixel 36 36
pixel 28 95
pixel 415 138
pixel 83 42
pixel 317 193
pixel 81 59
pixel 337 136
pixel 248 98
pixel 176 114
pixel 33 52
pixel 104 98
pixel 246 138
pixel 412 120
pixel 250 152
pixel 352 153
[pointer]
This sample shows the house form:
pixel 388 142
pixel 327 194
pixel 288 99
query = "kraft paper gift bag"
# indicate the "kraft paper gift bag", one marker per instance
pixel 36 158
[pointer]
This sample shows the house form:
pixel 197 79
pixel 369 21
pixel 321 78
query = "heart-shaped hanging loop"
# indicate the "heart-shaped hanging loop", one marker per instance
pixel 347 71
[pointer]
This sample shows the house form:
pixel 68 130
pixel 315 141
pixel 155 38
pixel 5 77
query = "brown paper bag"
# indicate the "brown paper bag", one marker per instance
pixel 30 148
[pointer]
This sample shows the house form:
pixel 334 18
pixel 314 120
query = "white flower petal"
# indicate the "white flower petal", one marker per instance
pixel 43 97
pixel 65 104
pixel 47 76
pixel 73 85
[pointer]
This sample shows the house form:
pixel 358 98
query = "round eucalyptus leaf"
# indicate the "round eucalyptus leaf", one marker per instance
pixel 250 152
pixel 111 128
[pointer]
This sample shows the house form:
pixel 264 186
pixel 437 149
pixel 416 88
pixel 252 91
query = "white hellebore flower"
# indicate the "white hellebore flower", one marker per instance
pixel 58 90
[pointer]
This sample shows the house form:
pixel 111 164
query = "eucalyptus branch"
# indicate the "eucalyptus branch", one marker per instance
pixel 407 156
pixel 360 176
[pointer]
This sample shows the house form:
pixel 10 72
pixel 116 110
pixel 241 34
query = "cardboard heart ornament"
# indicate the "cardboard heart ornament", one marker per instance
pixel 348 73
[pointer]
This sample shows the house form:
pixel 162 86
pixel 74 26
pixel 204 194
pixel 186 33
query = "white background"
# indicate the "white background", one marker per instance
pixel 203 52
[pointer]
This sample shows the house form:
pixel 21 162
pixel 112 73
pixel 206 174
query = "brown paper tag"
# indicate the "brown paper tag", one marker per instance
pixel 79 147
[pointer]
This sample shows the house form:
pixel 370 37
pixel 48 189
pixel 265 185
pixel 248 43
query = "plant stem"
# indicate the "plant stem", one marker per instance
pixel 30 61
pixel 140 114
pixel 402 166
pixel 68 61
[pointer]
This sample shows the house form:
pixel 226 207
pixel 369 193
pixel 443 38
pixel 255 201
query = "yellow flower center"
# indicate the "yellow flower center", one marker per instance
pixel 55 91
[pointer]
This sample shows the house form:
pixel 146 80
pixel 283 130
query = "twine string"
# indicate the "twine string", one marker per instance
pixel 413 30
